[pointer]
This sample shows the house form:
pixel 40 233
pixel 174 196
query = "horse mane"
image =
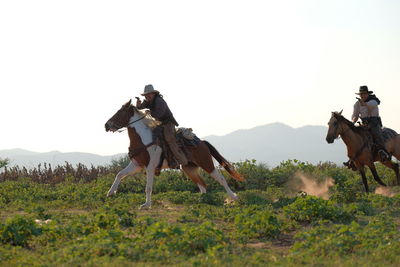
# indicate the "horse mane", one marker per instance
pixel 148 120
pixel 357 129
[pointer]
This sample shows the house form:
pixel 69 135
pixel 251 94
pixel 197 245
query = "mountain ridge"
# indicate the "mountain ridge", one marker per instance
pixel 270 144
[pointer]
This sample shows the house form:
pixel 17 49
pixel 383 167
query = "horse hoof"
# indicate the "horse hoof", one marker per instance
pixel 145 206
pixel 235 197
pixel 110 194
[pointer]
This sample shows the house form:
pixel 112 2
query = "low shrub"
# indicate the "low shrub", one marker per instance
pixel 252 223
pixel 330 239
pixel 311 209
pixel 17 231
pixel 254 197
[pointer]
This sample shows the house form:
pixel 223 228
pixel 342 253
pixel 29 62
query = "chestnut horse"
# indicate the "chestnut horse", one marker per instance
pixel 146 154
pixel 358 149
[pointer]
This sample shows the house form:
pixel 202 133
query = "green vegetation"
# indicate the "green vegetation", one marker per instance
pixel 3 162
pixel 48 220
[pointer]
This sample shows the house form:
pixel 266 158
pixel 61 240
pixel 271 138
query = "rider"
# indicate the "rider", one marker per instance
pixel 160 111
pixel 367 108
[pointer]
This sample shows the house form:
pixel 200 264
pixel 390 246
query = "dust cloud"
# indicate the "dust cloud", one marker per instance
pixel 307 184
pixel 384 191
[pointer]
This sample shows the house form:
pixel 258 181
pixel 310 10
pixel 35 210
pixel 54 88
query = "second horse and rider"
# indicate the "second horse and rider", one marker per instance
pixel 368 142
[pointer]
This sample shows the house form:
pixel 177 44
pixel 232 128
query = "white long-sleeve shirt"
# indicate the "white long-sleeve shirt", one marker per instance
pixel 370 110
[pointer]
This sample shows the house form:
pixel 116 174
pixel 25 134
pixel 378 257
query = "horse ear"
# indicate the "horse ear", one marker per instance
pixel 129 102
pixel 340 113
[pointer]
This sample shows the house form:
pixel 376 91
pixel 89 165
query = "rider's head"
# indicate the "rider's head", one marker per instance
pixel 364 92
pixel 149 92
pixel 149 97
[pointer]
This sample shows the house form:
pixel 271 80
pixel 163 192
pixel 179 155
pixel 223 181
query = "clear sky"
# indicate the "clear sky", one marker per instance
pixel 67 66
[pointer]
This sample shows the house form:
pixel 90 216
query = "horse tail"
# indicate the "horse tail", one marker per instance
pixel 224 163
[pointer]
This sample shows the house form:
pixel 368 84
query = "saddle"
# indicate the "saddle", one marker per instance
pixel 185 138
pixel 387 134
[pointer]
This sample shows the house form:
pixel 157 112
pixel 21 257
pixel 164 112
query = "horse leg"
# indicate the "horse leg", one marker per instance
pixel 149 189
pixel 150 172
pixel 394 167
pixel 217 175
pixel 375 174
pixel 364 179
pixel 192 172
pixel 203 159
pixel 132 168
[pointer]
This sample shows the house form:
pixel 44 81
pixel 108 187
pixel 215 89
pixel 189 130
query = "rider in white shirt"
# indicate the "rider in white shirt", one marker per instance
pixel 367 109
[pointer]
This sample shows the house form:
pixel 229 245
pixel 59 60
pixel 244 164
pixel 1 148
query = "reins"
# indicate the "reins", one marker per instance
pixel 129 124
pixel 360 150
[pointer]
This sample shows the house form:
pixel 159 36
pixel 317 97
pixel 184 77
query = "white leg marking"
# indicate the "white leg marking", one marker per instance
pixel 132 168
pixel 202 189
pixel 155 153
pixel 221 179
pixel 149 188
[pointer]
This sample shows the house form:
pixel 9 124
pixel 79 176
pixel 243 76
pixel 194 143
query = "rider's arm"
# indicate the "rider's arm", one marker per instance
pixel 159 109
pixel 371 105
pixel 142 105
pixel 356 112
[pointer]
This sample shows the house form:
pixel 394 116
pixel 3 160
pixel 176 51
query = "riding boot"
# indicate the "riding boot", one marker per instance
pixel 384 155
pixel 376 132
pixel 169 135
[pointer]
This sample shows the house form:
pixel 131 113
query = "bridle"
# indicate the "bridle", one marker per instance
pixel 129 124
pixel 360 150
pixel 345 131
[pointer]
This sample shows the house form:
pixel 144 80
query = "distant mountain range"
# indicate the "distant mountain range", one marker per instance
pixel 31 159
pixel 270 144
pixel 277 142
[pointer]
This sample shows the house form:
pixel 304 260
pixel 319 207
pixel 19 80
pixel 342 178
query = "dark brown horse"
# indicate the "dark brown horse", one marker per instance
pixel 146 154
pixel 358 148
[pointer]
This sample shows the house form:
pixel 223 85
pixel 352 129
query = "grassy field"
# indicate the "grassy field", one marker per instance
pixel 72 222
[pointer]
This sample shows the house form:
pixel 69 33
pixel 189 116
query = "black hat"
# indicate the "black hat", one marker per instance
pixel 148 89
pixel 363 90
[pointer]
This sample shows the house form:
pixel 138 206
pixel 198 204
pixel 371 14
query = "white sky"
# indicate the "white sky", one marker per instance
pixel 67 66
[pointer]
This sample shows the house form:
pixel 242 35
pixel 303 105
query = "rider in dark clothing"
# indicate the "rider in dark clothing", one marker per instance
pixel 159 110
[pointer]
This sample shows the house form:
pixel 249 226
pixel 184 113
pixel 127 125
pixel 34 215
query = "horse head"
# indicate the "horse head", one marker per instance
pixel 333 127
pixel 121 118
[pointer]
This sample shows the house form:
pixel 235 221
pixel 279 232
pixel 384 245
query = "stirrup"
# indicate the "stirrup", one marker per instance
pixel 174 164
pixel 350 164
pixel 384 155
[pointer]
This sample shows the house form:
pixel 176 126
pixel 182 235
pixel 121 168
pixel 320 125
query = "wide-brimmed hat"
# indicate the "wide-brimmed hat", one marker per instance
pixel 148 89
pixel 363 90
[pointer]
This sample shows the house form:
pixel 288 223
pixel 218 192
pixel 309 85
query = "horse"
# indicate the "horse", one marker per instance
pixel 145 153
pixel 358 148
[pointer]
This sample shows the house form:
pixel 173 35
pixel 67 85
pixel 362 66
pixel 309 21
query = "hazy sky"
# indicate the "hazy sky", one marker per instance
pixel 67 66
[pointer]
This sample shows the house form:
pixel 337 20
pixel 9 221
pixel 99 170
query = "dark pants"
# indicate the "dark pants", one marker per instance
pixel 169 135
pixel 374 125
